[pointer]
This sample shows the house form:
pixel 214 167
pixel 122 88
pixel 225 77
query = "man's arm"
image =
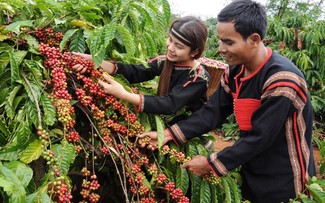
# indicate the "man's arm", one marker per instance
pixel 277 119
pixel 208 117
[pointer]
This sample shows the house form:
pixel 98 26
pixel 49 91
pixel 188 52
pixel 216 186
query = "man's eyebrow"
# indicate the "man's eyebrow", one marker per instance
pixel 227 40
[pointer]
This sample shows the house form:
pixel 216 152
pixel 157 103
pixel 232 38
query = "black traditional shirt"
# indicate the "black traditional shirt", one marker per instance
pixel 187 86
pixel 274 113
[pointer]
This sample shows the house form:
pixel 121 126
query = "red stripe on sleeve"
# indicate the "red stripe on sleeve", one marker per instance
pixel 172 136
pixel 302 165
pixel 289 84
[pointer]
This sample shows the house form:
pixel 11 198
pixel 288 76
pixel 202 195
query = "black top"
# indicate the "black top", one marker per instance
pixel 187 87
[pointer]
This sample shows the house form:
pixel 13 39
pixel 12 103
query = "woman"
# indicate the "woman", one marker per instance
pixel 183 80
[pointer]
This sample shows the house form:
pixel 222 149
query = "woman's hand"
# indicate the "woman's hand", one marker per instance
pixel 112 87
pixel 115 89
pixel 106 65
pixel 78 67
pixel 84 56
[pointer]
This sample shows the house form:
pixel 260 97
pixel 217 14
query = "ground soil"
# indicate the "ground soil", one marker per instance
pixel 220 144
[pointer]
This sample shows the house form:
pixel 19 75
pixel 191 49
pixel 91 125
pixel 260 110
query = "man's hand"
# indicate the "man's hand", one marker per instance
pixel 198 166
pixel 153 140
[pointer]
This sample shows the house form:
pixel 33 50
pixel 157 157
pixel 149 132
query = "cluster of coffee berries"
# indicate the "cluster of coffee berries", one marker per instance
pixel 299 43
pixel 44 136
pixel 130 118
pixel 48 36
pixel 92 93
pixel 144 140
pixel 90 84
pixel 152 169
pixel 73 136
pixel 178 156
pixel 161 178
pixel 89 187
pixel 184 199
pixel 176 193
pixel 60 96
pixel 104 150
pixel 49 156
pixel 65 112
pixel 148 200
pixel 60 191
pixel 212 178
pixel 83 98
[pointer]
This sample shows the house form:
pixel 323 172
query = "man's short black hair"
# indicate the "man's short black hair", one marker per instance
pixel 248 16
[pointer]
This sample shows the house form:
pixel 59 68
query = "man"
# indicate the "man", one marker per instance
pixel 269 97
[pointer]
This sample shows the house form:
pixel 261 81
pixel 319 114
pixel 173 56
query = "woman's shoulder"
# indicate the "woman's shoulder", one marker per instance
pixel 157 59
pixel 157 62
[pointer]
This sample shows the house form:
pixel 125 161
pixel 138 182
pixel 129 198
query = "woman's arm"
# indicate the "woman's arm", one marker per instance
pixel 134 73
pixel 115 89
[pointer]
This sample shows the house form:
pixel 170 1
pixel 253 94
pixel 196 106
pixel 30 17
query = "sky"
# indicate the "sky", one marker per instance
pixel 202 8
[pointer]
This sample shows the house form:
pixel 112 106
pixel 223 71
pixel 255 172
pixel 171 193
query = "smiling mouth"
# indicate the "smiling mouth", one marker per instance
pixel 171 55
pixel 226 57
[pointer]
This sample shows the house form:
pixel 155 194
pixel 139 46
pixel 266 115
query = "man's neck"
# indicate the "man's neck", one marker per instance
pixel 260 57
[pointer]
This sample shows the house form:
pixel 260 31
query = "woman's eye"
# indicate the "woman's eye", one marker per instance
pixel 180 46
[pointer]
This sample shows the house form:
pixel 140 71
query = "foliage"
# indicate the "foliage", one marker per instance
pixel 212 42
pixel 61 138
pixel 286 8
pixel 230 128
pixel 104 27
pixel 316 188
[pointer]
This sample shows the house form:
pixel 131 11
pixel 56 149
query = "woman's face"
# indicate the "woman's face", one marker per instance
pixel 178 52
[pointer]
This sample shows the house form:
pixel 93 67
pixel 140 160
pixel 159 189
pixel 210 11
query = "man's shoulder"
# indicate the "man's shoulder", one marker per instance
pixel 281 62
pixel 278 63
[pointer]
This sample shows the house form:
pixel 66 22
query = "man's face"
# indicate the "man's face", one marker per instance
pixel 234 49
